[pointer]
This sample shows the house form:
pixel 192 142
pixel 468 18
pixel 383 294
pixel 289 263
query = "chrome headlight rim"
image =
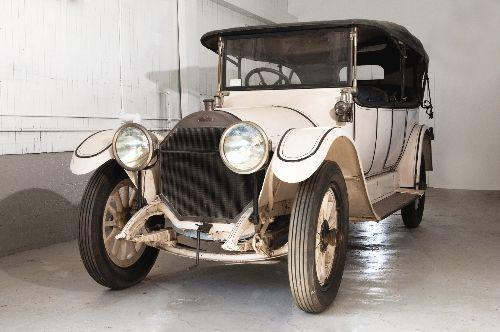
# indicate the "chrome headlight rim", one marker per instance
pixel 151 141
pixel 265 158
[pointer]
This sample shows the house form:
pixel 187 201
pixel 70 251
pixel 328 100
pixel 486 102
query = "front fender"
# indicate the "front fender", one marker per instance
pixel 94 151
pixel 302 151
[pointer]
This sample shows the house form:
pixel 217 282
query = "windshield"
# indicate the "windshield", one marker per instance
pixel 295 59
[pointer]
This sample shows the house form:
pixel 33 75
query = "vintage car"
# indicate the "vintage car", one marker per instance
pixel 313 125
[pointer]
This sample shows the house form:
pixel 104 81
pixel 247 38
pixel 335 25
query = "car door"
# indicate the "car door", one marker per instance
pixel 380 135
pixel 365 134
pixel 372 136
pixel 382 141
pixel 398 133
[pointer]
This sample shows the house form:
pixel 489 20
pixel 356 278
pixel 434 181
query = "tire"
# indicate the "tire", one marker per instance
pixel 95 257
pixel 309 293
pixel 412 213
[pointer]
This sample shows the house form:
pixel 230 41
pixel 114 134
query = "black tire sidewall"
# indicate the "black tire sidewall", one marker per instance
pixel 331 178
pixel 308 293
pixel 412 216
pixel 103 181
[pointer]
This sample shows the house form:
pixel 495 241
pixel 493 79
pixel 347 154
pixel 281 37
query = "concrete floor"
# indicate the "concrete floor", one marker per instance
pixel 443 276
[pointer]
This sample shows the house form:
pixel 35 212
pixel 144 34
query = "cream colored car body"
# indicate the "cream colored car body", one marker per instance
pixel 378 152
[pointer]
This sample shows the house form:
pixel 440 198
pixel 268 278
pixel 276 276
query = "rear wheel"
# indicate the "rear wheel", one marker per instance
pixel 317 239
pixel 412 213
pixel 109 200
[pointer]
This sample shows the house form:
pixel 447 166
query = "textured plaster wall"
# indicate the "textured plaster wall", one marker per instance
pixel 69 68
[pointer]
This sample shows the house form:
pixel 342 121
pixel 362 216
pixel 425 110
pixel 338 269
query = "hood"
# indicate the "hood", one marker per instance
pixel 274 120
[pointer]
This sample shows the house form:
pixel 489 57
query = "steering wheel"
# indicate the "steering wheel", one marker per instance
pixel 259 70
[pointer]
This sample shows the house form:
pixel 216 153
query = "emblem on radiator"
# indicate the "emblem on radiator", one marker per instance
pixel 205 118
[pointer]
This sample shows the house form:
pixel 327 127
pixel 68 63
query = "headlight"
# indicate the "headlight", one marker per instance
pixel 244 147
pixel 133 146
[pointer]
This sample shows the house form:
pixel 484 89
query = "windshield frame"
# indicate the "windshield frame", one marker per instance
pixel 350 82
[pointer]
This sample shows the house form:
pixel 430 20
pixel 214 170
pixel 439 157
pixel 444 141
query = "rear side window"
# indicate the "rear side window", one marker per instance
pixel 414 68
pixel 388 73
pixel 379 75
pixel 364 73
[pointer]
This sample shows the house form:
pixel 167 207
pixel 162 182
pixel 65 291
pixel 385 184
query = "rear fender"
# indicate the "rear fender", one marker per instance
pixel 418 146
pixel 302 151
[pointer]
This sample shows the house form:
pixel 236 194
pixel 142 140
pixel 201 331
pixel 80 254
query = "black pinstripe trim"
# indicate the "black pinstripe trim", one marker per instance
pixel 309 155
pixel 416 155
pixel 375 147
pixel 403 147
pixel 92 155
pixel 404 143
pixel 393 166
pixel 299 112
pixel 390 140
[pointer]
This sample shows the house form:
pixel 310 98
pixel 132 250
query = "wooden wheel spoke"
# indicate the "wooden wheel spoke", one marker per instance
pixel 123 250
pixel 114 250
pixel 118 201
pixel 109 223
pixel 129 249
pixel 323 264
pixel 132 197
pixel 126 198
pixel 137 246
pixel 111 237
pixel 324 213
pixel 112 210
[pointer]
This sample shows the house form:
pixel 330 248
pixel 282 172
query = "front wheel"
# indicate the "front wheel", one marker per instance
pixel 317 239
pixel 109 200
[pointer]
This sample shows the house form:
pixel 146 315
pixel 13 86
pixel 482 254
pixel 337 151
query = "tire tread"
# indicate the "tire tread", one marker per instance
pixel 92 253
pixel 299 265
pixel 85 215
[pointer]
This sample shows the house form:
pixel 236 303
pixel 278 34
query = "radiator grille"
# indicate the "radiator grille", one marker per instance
pixel 194 178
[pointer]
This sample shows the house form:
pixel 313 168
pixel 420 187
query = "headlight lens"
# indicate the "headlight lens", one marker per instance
pixel 244 147
pixel 133 147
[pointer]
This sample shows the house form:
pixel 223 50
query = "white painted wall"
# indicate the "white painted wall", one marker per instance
pixel 70 67
pixel 461 38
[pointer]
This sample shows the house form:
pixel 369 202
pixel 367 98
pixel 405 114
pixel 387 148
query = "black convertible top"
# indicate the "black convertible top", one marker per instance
pixel 210 39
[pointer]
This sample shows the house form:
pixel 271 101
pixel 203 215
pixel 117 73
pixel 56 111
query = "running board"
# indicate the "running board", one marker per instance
pixel 395 202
